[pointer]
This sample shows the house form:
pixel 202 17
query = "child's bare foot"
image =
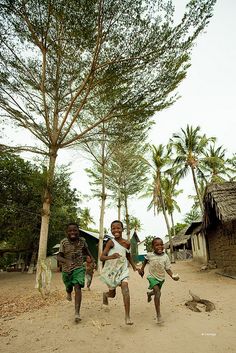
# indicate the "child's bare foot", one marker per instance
pixel 69 297
pixel 105 299
pixel 77 318
pixel 149 297
pixel 159 320
pixel 88 288
pixel 128 321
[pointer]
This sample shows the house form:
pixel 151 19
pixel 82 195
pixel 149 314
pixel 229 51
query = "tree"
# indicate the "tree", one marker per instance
pixel 170 193
pixel 161 158
pixel 127 174
pixel 61 62
pixel 216 165
pixel 192 216
pixel 190 147
pixel 85 218
pixel 21 187
pixel 148 243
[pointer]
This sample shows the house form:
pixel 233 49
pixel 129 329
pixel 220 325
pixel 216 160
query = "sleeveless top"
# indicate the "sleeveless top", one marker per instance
pixel 115 270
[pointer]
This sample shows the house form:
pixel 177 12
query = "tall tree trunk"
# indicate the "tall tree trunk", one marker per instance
pixel 167 224
pixel 197 189
pixel 119 207
pixel 43 273
pixel 174 233
pixel 102 210
pixel 101 227
pixel 127 218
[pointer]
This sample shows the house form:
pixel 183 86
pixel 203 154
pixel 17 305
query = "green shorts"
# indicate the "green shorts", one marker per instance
pixel 154 282
pixel 74 277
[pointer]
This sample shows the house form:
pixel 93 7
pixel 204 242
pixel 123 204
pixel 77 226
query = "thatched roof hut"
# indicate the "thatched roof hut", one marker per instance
pixel 220 201
pixel 219 225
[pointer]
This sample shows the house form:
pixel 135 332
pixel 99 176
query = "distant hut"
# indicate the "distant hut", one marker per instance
pixel 198 241
pixel 182 245
pixel 141 250
pixel 134 246
pixel 219 226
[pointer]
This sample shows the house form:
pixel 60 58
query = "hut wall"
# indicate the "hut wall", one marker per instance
pixel 199 249
pixel 222 247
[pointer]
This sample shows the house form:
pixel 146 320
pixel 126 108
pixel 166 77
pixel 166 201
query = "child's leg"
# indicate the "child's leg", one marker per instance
pixel 66 277
pixel 78 298
pixel 110 294
pixel 149 295
pixel 88 280
pixel 126 299
pixel 68 296
pixel 157 296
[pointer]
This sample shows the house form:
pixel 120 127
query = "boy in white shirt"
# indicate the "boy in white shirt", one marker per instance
pixel 159 263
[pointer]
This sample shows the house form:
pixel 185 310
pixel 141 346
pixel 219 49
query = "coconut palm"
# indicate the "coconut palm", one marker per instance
pixel 215 164
pixel 190 147
pixel 161 158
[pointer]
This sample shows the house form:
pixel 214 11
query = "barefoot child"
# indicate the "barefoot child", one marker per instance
pixel 71 255
pixel 115 271
pixel 158 263
pixel 90 268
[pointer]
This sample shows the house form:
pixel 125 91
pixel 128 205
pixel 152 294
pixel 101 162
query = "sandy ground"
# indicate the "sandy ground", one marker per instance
pixel 49 327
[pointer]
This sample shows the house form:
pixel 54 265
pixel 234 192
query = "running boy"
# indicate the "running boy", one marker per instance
pixel 158 263
pixel 71 255
pixel 115 271
pixel 90 268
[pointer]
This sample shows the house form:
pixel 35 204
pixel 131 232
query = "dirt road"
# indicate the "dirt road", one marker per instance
pixel 51 328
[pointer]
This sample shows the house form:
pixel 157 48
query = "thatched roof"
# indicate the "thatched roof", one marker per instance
pixel 222 199
pixel 194 228
pixel 180 239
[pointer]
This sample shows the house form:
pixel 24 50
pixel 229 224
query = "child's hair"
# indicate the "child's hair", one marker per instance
pixel 157 238
pixel 72 224
pixel 117 221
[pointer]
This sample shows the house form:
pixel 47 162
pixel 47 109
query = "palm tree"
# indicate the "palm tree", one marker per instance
pixel 190 147
pixel 170 193
pixel 215 163
pixel 161 158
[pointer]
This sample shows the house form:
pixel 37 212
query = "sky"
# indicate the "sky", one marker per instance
pixel 208 98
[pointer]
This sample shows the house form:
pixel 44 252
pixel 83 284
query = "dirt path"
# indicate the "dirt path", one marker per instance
pixel 51 328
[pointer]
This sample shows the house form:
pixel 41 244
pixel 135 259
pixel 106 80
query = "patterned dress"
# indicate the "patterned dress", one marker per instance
pixel 115 270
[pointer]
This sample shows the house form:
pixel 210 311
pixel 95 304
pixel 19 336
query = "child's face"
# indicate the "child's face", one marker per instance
pixel 72 232
pixel 158 246
pixel 116 229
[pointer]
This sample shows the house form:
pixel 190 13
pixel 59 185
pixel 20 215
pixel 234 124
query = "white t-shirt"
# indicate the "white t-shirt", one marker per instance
pixel 158 264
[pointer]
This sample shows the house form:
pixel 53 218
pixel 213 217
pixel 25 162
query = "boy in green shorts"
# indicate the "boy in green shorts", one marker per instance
pixel 73 250
pixel 159 263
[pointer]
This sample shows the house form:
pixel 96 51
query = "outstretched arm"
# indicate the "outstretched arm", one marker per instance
pixel 174 277
pixel 141 270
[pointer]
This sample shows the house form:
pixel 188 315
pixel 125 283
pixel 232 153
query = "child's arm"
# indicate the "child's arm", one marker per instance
pixel 175 277
pixel 141 270
pixel 130 259
pixel 61 258
pixel 105 255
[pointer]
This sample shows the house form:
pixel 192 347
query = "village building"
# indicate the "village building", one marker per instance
pixel 141 251
pixel 219 226
pixel 198 242
pixel 181 245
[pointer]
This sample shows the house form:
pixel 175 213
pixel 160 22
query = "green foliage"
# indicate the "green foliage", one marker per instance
pixel 21 187
pixel 178 228
pixel 85 218
pixel 148 243
pixel 192 216
pixel 71 66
